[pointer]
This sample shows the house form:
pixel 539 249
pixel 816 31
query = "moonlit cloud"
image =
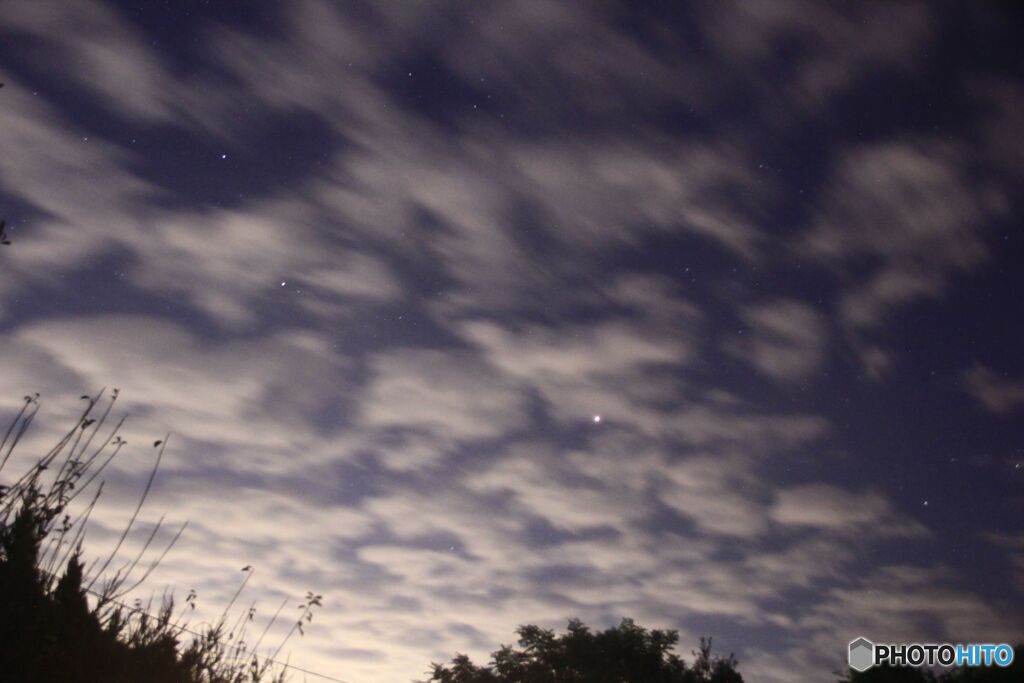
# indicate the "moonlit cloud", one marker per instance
pixel 829 507
pixel 787 339
pixel 1001 395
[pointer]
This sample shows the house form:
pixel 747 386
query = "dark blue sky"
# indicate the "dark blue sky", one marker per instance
pixel 379 267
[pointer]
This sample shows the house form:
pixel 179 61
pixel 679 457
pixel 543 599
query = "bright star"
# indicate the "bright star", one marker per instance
pixel 223 156
pixel 283 284
pixel 597 419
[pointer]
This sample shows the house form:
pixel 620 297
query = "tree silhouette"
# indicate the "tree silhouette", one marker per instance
pixel 889 674
pixel 627 653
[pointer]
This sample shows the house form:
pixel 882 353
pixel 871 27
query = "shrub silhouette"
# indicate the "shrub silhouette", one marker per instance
pixel 50 630
pixel 624 654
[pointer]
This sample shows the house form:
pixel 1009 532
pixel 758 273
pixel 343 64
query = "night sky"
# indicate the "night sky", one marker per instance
pixel 469 315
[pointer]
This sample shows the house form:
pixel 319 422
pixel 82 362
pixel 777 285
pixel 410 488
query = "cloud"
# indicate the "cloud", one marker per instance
pixel 1013 546
pixel 254 400
pixel 601 193
pixel 828 507
pixel 825 506
pixel 450 395
pixel 898 601
pixel 92 45
pixel 899 220
pixel 227 263
pixel 756 433
pixel 839 46
pixel 718 494
pixel 232 263
pixel 912 209
pixel 79 188
pixel 999 395
pixel 587 369
pixel 543 485
pixel 893 603
pixel 787 339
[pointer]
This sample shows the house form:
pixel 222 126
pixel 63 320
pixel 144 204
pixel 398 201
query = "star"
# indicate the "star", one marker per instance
pixel 597 419
pixel 283 284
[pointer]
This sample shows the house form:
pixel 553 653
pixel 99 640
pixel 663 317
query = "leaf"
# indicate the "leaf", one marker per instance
pixel 157 443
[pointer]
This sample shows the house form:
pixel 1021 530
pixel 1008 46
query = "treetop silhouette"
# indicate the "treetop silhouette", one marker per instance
pixel 627 653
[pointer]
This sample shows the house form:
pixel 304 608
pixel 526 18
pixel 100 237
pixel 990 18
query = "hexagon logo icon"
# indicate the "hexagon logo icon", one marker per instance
pixel 862 654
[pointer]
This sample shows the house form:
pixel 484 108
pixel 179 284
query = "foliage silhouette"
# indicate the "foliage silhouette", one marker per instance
pixel 50 630
pixel 627 653
pixel 906 674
